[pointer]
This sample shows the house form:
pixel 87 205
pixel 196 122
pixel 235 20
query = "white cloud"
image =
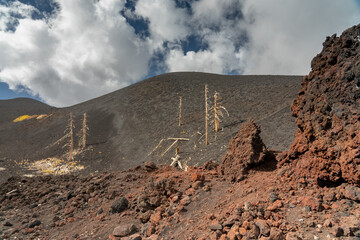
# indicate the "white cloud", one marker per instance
pixel 286 35
pixel 220 57
pixel 220 33
pixel 283 35
pixel 86 50
pixel 8 13
pixel 167 22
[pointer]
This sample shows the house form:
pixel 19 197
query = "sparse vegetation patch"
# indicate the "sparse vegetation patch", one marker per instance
pixel 53 166
pixel 28 117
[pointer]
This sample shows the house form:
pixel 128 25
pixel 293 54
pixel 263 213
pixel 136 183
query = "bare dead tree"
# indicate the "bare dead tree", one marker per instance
pixel 218 111
pixel 180 105
pixel 85 129
pixel 70 133
pixel 206 115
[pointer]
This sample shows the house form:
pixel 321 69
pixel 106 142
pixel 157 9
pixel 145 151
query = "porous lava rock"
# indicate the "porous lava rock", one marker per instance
pixel 327 142
pixel 245 150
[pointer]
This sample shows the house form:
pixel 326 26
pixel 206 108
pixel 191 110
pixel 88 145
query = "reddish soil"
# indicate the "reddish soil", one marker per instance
pixel 173 204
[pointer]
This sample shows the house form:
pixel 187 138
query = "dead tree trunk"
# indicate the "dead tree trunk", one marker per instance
pixel 85 128
pixel 180 105
pixel 206 115
pixel 216 115
pixel 71 136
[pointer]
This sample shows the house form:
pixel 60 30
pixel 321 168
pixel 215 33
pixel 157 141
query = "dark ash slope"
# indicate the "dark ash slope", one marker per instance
pixel 127 124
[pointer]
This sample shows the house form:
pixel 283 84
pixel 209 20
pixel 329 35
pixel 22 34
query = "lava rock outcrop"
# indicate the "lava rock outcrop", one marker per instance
pixel 327 111
pixel 245 150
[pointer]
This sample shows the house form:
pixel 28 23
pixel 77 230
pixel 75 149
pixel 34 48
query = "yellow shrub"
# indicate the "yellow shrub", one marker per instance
pixel 41 116
pixel 24 117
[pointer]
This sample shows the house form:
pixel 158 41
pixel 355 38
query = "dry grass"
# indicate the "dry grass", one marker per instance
pixel 52 166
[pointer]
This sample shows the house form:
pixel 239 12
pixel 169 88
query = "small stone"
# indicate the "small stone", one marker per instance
pixel 247 206
pixel 327 223
pixel 151 229
pixel 150 166
pixel 242 231
pixel 253 232
pixel 190 192
pixel 34 223
pixel 124 230
pixel 329 196
pixel 352 193
pixel 215 227
pixel 311 202
pixel 185 201
pixel 156 217
pixel 144 218
pixel 230 221
pixel 206 188
pixel 307 209
pixel 276 205
pixel 100 211
pixel 69 210
pixel 170 211
pixel 338 232
pixel 276 234
pixel 119 205
pixel 233 234
pixel 246 225
pixel 263 226
pixel 8 224
pixel 198 185
pixel 291 205
pixel 273 197
pixel 134 237
pixel 112 237
pixel 197 177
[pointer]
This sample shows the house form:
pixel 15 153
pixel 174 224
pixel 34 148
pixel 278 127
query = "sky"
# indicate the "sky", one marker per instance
pixel 63 52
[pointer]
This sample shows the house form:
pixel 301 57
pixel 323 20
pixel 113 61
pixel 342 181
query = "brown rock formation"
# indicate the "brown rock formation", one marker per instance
pixel 327 111
pixel 245 150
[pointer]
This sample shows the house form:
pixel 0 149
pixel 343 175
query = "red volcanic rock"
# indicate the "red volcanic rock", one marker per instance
pixel 245 150
pixel 327 111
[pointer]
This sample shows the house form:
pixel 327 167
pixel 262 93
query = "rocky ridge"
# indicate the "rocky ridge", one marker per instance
pixel 327 112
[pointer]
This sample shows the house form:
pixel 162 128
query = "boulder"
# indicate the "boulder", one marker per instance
pixel 245 150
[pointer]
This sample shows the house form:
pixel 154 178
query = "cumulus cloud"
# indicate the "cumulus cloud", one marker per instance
pixel 167 22
pixel 285 35
pixel 9 14
pixel 221 27
pixel 89 48
pixel 262 37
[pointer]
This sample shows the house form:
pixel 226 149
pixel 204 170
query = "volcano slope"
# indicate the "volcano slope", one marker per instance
pixel 125 126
